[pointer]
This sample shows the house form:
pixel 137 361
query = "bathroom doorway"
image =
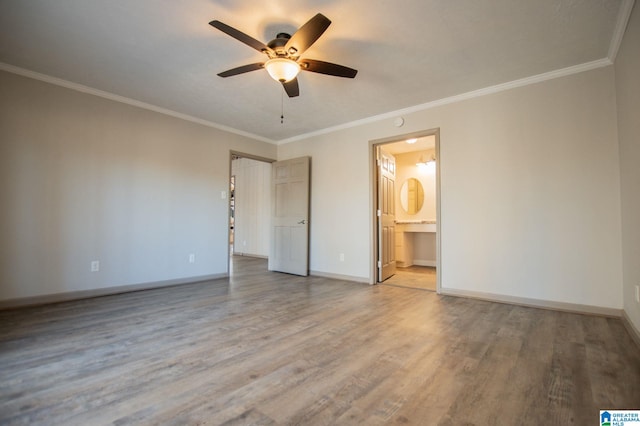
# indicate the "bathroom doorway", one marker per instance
pixel 412 240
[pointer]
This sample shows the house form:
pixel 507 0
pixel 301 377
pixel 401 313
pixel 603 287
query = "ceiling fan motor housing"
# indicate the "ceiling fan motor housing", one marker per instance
pixel 278 45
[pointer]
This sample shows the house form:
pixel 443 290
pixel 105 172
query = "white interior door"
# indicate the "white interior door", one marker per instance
pixel 386 215
pixel 290 216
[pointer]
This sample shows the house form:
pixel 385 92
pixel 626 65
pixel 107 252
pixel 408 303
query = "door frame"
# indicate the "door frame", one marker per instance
pixel 373 188
pixel 233 154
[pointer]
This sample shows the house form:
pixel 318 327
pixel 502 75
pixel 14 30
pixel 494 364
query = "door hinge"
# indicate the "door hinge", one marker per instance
pixel 379 212
pixel 379 264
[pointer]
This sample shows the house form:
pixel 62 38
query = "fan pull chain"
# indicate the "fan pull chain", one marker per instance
pixel 282 109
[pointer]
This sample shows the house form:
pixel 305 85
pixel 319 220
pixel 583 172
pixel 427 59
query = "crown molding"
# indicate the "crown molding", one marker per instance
pixel 123 99
pixel 373 119
pixel 457 98
pixel 621 25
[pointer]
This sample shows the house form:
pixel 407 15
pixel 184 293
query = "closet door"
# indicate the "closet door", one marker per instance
pixel 290 217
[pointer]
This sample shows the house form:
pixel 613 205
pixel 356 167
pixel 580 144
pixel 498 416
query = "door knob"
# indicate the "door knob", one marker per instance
pixel 302 222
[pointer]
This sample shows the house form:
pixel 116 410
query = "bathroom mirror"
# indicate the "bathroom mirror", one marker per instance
pixel 411 196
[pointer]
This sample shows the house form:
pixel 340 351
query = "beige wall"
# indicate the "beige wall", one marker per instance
pixel 339 212
pixel 530 196
pixel 628 99
pixel 84 178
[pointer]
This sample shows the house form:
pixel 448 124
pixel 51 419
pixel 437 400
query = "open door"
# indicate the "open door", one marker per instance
pixel 386 215
pixel 290 216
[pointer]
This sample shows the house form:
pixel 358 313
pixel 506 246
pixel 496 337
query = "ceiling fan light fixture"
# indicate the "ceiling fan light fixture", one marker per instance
pixel 282 69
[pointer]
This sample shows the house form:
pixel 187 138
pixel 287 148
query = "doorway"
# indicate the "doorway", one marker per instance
pixel 413 245
pixel 249 207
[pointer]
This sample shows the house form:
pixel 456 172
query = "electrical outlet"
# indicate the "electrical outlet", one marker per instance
pixel 95 266
pixel 192 258
pixel 341 257
pixel 638 293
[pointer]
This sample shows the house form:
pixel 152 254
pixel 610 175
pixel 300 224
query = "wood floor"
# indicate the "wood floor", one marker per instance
pixel 422 277
pixel 267 348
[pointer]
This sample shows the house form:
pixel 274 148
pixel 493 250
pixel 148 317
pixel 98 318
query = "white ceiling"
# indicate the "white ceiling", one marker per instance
pixel 408 53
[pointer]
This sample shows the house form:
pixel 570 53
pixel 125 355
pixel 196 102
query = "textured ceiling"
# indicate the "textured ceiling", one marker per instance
pixel 164 53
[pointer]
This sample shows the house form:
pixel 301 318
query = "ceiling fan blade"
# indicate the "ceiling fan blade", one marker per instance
pixel 292 88
pixel 240 36
pixel 242 69
pixel 327 68
pixel 307 35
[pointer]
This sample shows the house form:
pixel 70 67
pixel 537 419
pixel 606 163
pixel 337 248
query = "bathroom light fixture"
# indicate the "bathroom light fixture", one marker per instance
pixel 282 69
pixel 430 163
pixel 412 140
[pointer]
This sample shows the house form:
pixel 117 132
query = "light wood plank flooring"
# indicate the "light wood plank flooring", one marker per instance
pixel 268 348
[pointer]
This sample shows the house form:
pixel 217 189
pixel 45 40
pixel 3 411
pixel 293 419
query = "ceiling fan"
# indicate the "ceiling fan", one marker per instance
pixel 284 53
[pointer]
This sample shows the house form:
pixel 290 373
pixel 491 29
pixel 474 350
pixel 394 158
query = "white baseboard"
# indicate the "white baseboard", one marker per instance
pixel 105 291
pixel 535 303
pixel 633 331
pixel 258 256
pixel 431 263
pixel 352 278
pixel 418 262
